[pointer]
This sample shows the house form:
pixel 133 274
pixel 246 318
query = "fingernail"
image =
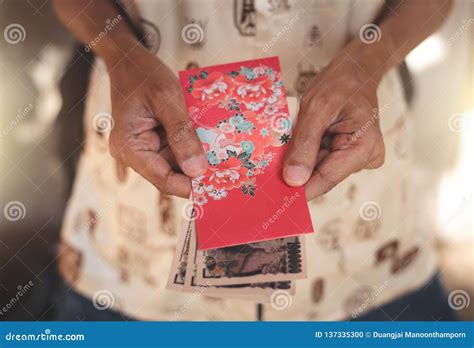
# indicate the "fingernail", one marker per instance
pixel 195 166
pixel 296 175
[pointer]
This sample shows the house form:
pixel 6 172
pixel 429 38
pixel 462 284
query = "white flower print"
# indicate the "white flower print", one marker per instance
pixel 200 200
pixel 254 106
pixel 270 109
pixel 218 194
pixel 200 188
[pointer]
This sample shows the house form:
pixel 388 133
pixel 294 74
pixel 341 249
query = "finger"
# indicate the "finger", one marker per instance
pixel 183 139
pixel 154 168
pixel 341 142
pixel 168 155
pixel 303 149
pixel 162 134
pixel 334 168
pixel 322 154
pixel 325 141
pixel 141 153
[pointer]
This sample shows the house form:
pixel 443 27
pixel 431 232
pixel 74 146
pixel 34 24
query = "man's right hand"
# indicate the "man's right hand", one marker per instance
pixel 152 132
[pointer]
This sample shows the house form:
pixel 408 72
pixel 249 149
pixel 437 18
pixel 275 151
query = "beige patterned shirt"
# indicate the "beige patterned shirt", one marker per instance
pixel 119 232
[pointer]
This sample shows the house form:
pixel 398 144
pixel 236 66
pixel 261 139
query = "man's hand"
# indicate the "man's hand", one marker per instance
pixel 337 132
pixel 152 131
pixel 327 145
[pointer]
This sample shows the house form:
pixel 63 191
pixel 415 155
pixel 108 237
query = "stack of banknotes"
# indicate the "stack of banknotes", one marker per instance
pixel 252 271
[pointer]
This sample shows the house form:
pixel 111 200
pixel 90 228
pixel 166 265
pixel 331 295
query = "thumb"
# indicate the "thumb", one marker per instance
pixel 335 168
pixel 183 139
pixel 303 148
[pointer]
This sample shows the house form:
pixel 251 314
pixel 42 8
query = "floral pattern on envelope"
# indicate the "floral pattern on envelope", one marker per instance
pixel 239 146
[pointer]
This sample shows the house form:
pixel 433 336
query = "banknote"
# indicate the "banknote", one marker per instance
pixel 183 274
pixel 258 292
pixel 177 274
pixel 281 259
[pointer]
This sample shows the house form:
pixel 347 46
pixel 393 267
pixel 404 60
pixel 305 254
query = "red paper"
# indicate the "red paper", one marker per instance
pixel 241 116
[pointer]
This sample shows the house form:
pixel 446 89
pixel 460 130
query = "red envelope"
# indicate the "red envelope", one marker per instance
pixel 241 115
